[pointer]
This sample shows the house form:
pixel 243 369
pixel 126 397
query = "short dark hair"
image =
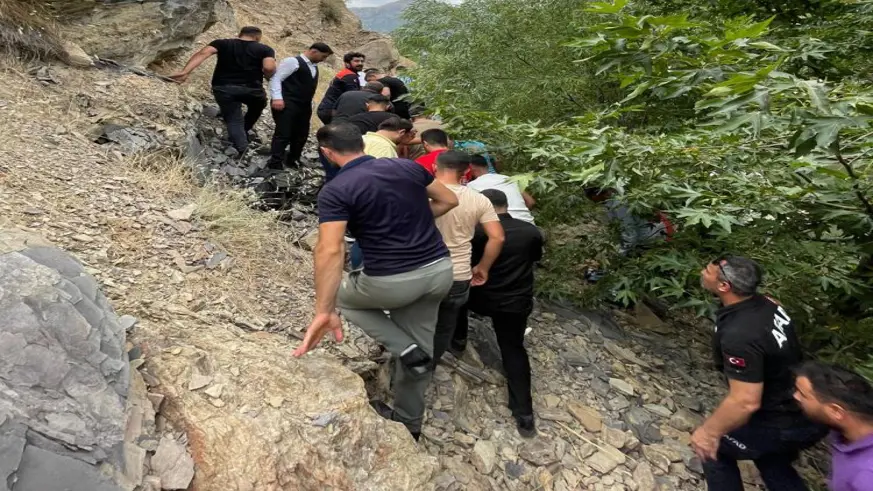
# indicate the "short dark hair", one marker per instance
pixel 742 274
pixel 348 57
pixel 478 160
pixel 835 384
pixel 340 137
pixel 396 124
pixel 375 87
pixel 250 31
pixel 497 197
pixel 455 160
pixel 372 71
pixel 435 136
pixel 321 47
pixel 379 99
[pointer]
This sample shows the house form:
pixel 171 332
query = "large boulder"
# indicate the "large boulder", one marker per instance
pixel 136 33
pixel 381 53
pixel 64 373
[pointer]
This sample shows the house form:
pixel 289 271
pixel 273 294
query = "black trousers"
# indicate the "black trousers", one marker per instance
pixel 509 328
pixel 292 131
pixel 447 318
pixel 325 115
pixel 230 99
pixel 771 449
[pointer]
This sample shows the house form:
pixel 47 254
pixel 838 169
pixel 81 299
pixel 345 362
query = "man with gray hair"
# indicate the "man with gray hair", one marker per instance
pixel 756 348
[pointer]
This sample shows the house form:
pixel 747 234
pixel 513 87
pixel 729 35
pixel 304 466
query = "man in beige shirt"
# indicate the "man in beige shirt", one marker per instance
pixel 457 228
pixel 392 132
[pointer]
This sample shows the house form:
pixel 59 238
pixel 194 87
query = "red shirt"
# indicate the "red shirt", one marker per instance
pixel 428 161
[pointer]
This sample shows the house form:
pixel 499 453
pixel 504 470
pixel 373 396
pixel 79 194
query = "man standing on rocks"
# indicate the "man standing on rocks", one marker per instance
pixel 238 80
pixel 345 81
pixel 755 346
pixel 507 297
pixel 457 228
pixel 843 400
pixel 389 206
pixel 292 90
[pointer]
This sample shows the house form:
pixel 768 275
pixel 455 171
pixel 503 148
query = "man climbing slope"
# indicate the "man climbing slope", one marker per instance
pixel 457 228
pixel 507 298
pixel 389 205
pixel 292 90
pixel 756 348
pixel 238 80
pixel 346 80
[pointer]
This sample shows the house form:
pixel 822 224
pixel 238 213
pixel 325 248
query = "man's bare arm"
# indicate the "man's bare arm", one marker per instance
pixel 529 201
pixel 442 199
pixel 329 256
pixel 269 67
pixel 196 60
pixel 735 410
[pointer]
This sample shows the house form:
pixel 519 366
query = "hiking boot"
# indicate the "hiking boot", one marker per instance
pixel 526 426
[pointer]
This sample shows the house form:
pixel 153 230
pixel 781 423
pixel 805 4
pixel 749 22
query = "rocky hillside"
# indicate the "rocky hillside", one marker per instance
pixel 384 18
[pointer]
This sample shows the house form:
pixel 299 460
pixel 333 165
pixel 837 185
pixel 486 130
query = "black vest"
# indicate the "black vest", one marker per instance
pixel 299 88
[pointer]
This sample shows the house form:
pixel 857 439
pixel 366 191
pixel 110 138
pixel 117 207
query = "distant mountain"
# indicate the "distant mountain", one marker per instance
pixel 384 18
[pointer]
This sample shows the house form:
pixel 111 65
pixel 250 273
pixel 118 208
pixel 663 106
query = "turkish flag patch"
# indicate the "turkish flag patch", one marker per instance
pixel 735 361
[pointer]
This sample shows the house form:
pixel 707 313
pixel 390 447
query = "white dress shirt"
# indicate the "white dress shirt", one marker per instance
pixel 286 68
pixel 517 208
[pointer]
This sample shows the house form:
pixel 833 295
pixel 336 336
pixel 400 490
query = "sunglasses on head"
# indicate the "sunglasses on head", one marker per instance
pixel 724 274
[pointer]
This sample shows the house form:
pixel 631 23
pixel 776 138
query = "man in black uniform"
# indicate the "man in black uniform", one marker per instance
pixel 348 79
pixel 292 90
pixel 238 80
pixel 397 88
pixel 755 346
pixel 354 102
pixel 507 297
pixel 377 113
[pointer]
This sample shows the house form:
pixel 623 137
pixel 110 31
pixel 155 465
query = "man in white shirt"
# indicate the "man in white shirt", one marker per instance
pixel 292 89
pixel 519 201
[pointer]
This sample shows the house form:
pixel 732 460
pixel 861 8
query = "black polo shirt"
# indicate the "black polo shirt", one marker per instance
pixel 510 285
pixel 388 212
pixel 369 121
pixel 755 342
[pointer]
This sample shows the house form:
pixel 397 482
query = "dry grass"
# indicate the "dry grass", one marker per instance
pixel 27 32
pixel 332 11
pixel 261 245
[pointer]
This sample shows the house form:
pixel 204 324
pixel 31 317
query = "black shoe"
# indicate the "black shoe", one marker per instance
pixel 526 426
pixel 415 435
pixel 382 409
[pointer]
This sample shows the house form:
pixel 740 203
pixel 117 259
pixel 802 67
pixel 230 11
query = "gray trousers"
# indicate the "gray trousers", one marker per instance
pixel 412 299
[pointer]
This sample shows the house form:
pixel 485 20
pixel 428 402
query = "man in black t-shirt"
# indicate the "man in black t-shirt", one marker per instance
pixel 377 112
pixel 398 89
pixel 238 80
pixel 756 348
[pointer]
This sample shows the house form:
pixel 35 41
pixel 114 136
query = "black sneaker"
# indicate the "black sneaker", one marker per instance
pixel 382 409
pixel 526 426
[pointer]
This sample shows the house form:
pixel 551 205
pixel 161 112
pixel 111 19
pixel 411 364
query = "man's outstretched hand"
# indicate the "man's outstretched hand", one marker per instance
pixel 321 325
pixel 180 77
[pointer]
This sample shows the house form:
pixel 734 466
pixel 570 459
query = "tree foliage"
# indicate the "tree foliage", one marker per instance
pixel 750 128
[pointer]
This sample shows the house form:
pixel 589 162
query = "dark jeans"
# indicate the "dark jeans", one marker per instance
pixel 509 328
pixel 292 131
pixel 448 318
pixel 230 99
pixel 772 449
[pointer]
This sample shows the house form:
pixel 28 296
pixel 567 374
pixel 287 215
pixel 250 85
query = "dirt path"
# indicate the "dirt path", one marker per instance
pixel 615 402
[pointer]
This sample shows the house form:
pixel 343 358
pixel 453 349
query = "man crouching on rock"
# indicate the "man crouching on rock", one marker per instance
pixel 389 206
pixel 755 346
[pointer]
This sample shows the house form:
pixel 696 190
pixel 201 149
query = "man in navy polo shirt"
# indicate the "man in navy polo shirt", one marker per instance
pixel 389 206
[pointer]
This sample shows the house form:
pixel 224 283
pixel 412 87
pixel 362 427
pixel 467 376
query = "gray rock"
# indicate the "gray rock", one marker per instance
pixel 607 459
pixel 127 322
pixel 622 386
pixel 618 403
pixel 658 410
pixel 42 470
pixel 539 453
pixel 514 470
pixel 11 451
pixel 691 403
pixel 484 456
pixel 211 111
pixel 173 464
pixel 644 477
pixel 641 423
pixel 685 420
